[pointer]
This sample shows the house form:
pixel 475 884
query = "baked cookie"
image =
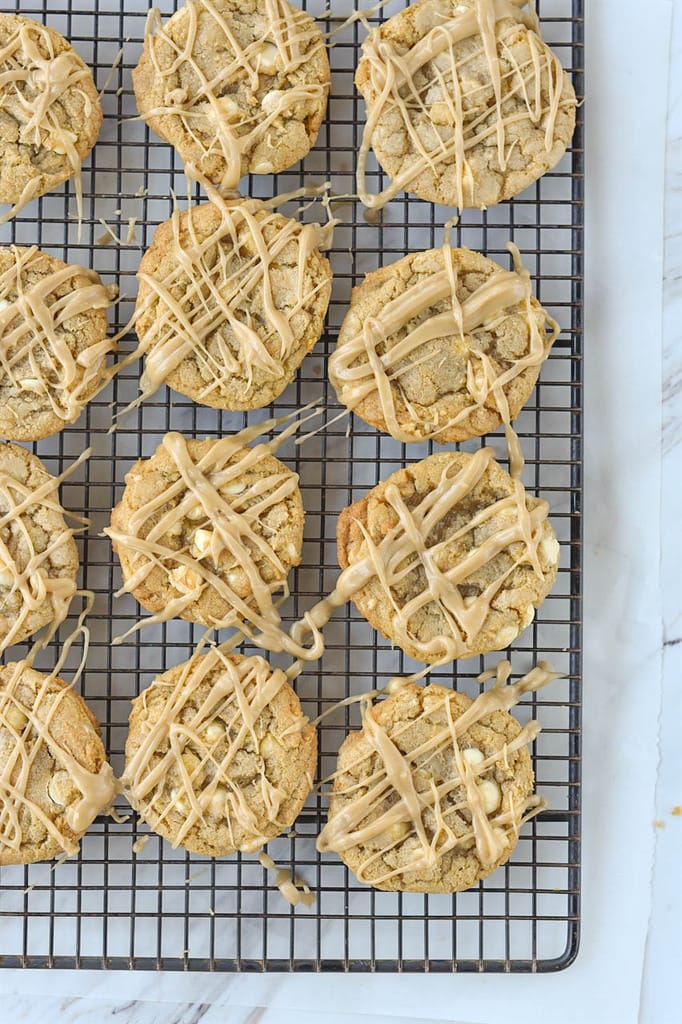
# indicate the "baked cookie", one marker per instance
pixel 466 105
pixel 450 557
pixel 232 297
pixel 50 114
pixel 430 794
pixel 38 555
pixel 208 531
pixel 54 775
pixel 236 87
pixel 219 755
pixel 53 342
pixel 442 344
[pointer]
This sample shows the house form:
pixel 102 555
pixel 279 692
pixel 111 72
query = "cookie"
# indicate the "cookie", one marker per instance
pixel 54 775
pixel 53 342
pixel 232 297
pixel 448 557
pixel 430 794
pixel 442 344
pixel 466 105
pixel 38 555
pixel 236 87
pixel 50 114
pixel 219 755
pixel 208 531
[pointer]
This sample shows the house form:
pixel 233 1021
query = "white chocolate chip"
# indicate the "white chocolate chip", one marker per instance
pixel 15 717
pixel 228 108
pixel 59 788
pixel 3 304
pixel 549 549
pixel 185 579
pixel 490 795
pixel 30 384
pixel 7 579
pixel 234 487
pixel 527 616
pixel 264 167
pixel 268 58
pixel 178 802
pixel 216 807
pixel 505 636
pixel 269 746
pixel 271 102
pixel 291 550
pixel 469 601
pixel 234 578
pixel 214 732
pixel 371 603
pixel 201 542
pixel 196 512
pixel 472 755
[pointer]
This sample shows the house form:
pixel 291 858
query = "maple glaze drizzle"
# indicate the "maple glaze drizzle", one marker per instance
pixel 293 889
pixel 392 87
pixel 35 323
pixel 367 809
pixel 31 726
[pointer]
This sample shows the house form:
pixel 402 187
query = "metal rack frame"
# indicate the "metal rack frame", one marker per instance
pixel 161 909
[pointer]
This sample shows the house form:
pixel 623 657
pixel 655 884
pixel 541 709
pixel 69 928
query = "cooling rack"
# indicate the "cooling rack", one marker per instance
pixel 112 907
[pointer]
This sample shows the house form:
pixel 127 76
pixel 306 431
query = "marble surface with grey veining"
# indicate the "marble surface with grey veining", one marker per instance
pixel 633 549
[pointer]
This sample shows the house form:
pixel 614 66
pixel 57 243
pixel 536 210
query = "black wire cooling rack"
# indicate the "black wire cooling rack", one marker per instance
pixel 112 907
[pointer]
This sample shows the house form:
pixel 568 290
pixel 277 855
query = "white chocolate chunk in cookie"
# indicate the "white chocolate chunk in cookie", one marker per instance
pixel 268 58
pixel 490 795
pixel 201 542
pixel 473 756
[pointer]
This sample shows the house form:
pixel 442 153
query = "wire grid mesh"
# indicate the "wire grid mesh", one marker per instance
pixel 159 908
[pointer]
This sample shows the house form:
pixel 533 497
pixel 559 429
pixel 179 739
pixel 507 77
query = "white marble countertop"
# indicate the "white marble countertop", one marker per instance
pixel 633 616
